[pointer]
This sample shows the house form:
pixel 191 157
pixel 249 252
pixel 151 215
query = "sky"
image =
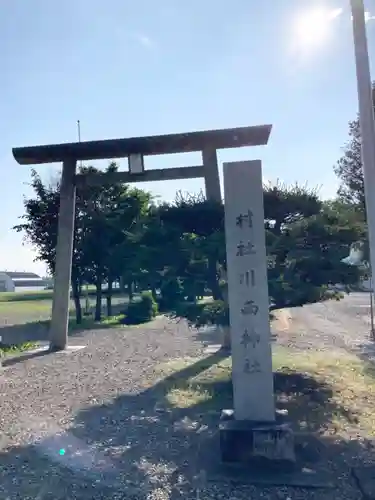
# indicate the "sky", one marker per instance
pixel 127 69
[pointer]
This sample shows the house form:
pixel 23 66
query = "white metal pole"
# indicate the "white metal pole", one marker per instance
pixel 366 117
pixel 87 300
pixel 372 310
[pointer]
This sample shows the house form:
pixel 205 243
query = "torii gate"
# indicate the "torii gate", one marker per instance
pixel 135 148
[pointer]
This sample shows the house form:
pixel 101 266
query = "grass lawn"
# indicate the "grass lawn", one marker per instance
pixel 33 295
pixel 24 311
pixel 332 393
pixel 6 350
pixel 23 315
pixel 39 295
pixel 15 312
pixel 87 324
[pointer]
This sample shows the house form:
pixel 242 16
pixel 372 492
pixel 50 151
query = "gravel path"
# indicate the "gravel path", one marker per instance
pixel 343 324
pixel 94 424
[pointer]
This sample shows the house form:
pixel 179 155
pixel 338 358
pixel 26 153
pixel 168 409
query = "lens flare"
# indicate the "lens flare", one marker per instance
pixel 313 27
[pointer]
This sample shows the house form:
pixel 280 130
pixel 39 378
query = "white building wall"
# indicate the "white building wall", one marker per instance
pixel 6 283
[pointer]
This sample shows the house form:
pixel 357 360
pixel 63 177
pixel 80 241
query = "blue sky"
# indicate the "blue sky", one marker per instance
pixel 127 68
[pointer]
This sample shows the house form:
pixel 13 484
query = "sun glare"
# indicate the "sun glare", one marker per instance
pixel 313 27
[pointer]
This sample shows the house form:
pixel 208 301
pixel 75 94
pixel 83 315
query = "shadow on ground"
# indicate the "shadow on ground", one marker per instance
pixel 309 401
pixel 211 336
pixel 32 331
pixel 141 442
pixel 208 335
pixel 38 331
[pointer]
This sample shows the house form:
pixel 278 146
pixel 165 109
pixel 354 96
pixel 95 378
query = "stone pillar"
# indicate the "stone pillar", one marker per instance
pixel 63 266
pixel 252 431
pixel 213 193
pixel 211 174
pixel 248 292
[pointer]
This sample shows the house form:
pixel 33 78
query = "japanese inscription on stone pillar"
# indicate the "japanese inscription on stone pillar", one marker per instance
pixel 248 291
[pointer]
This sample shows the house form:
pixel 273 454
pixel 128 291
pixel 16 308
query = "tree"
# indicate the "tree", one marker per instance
pixel 110 215
pixel 312 250
pixel 306 240
pixel 105 221
pixel 125 222
pixel 349 167
pixel 179 247
pixel 193 214
pixel 39 225
pixel 287 204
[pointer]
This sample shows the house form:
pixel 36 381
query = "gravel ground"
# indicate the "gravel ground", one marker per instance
pixel 343 324
pixel 94 424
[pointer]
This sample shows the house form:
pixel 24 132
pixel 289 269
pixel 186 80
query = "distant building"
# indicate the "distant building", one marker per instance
pixel 9 281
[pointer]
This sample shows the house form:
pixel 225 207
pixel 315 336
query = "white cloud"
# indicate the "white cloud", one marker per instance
pixel 144 40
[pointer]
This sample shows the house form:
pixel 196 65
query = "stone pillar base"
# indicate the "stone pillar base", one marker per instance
pixel 262 443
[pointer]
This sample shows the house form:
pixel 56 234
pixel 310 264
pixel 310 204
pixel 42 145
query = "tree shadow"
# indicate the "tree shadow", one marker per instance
pixel 212 336
pixel 32 331
pixel 309 401
pixel 12 358
pixel 208 335
pixel 365 352
pixel 142 441
pixel 38 331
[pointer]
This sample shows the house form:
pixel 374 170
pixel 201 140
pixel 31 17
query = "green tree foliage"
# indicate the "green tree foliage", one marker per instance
pixel 39 226
pixel 172 292
pixel 142 310
pixel 178 249
pixel 349 167
pixel 311 250
pixel 112 217
pixel 287 204
pixel 306 240
pixel 107 220
pixel 200 224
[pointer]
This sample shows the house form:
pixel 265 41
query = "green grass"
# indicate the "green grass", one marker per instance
pixel 45 295
pixel 21 313
pixel 15 312
pixel 87 324
pixel 90 324
pixel 24 296
pixel 332 393
pixel 26 306
pixel 29 313
pixel 15 349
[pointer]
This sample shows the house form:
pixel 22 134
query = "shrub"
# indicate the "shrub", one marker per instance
pixel 193 288
pixel 198 315
pixel 191 311
pixel 142 310
pixel 216 313
pixel 171 293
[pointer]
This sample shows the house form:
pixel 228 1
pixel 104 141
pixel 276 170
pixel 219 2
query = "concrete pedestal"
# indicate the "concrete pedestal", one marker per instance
pixel 268 444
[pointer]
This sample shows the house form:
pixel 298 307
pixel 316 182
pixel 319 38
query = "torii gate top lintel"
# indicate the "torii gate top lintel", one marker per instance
pixel 151 145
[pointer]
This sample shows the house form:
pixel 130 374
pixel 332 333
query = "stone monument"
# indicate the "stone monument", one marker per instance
pixel 253 429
